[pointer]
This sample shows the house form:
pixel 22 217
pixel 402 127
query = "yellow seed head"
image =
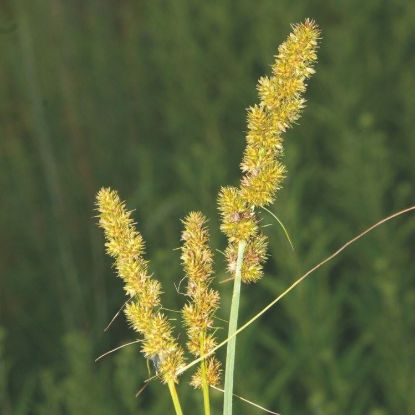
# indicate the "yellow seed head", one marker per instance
pixel 280 106
pixel 196 254
pixel 254 257
pixel 238 220
pixel 203 302
pixel 258 187
pixel 170 364
pixel 261 134
pixel 125 244
pixel 213 372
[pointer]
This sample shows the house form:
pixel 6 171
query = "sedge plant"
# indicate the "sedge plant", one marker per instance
pixel 280 103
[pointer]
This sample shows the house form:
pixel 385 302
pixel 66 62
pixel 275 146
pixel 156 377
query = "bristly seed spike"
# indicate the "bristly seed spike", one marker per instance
pixel 126 245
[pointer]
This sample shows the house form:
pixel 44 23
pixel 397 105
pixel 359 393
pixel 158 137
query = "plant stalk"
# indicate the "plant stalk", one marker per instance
pixel 205 385
pixel 233 324
pixel 175 398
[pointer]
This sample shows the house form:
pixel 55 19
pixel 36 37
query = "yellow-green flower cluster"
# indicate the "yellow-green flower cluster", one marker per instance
pixel 125 244
pixel 280 104
pixel 254 257
pixel 199 312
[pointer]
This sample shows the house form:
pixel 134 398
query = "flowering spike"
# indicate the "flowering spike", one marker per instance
pixel 238 220
pixel 212 374
pixel 254 257
pixel 126 246
pixel 203 302
pixel 280 104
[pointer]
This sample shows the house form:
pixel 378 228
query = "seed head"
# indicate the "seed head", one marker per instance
pixel 196 254
pixel 199 312
pixel 238 220
pixel 213 371
pixel 280 103
pixel 254 258
pixel 280 106
pixel 125 244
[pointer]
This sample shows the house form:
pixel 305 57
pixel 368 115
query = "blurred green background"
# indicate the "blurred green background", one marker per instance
pixel 149 97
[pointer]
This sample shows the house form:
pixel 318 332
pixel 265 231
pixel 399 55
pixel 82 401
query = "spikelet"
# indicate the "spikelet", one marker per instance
pixel 125 244
pixel 238 220
pixel 280 104
pixel 203 302
pixel 212 373
pixel 254 257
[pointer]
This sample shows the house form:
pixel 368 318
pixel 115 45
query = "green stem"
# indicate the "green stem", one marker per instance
pixel 205 385
pixel 175 398
pixel 233 323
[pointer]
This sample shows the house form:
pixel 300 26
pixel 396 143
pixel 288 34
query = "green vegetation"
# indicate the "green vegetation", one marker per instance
pixel 149 98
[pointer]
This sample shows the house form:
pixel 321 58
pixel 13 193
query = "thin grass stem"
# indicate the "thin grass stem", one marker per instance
pixel 233 324
pixel 117 348
pixel 175 398
pixel 205 385
pixel 205 389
